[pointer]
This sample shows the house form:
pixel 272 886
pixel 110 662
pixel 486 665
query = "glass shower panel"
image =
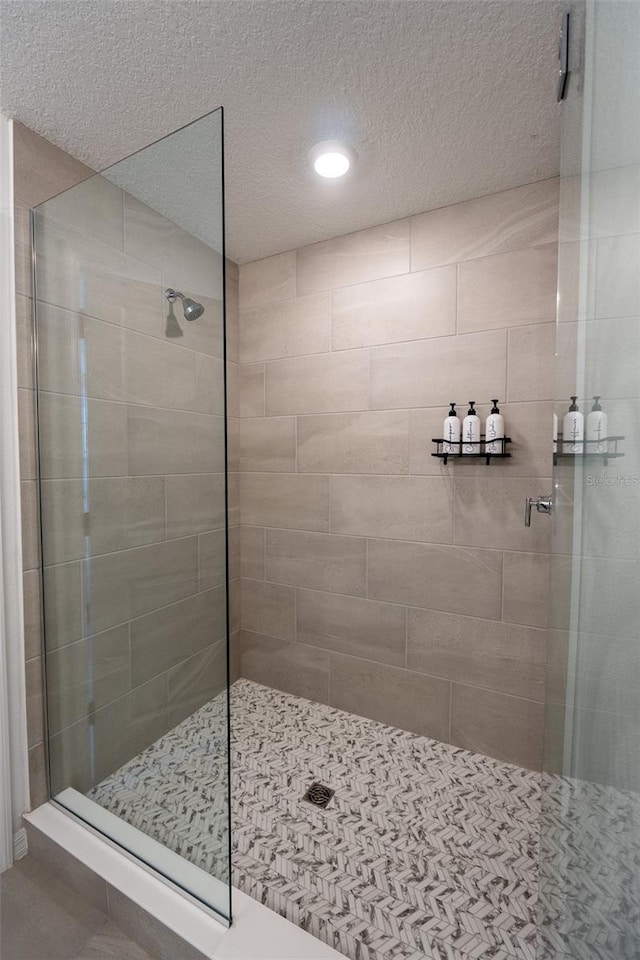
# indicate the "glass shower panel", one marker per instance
pixel 590 839
pixel 131 422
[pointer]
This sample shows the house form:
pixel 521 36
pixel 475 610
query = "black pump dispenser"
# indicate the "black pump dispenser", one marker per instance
pixel 495 408
pixel 452 412
pixel 596 404
pixel 471 412
pixel 574 405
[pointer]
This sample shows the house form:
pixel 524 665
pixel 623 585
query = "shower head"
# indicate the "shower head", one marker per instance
pixel 191 308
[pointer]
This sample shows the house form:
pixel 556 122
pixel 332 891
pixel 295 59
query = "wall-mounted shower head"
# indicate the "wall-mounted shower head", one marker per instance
pixel 191 308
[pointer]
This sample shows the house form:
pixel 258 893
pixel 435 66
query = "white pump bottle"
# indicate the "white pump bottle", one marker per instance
pixel 494 430
pixel 471 431
pixel 596 429
pixel 451 432
pixel 573 429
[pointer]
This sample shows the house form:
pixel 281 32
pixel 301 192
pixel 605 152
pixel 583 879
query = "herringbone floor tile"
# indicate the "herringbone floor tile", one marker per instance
pixel 425 850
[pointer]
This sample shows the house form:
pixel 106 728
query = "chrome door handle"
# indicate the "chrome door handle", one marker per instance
pixel 542 505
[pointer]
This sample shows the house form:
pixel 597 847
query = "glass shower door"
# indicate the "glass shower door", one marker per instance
pixel 590 839
pixel 129 280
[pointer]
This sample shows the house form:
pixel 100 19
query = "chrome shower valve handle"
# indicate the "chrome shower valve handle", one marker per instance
pixel 542 504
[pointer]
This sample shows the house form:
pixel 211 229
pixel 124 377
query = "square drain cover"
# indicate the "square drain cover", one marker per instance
pixel 318 795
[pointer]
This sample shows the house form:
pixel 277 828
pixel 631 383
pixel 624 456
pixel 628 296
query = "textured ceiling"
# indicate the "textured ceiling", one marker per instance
pixel 442 100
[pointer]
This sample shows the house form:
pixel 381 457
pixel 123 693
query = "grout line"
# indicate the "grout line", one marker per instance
pixel 394 344
pixel 133 403
pixel 122 327
pixel 391 666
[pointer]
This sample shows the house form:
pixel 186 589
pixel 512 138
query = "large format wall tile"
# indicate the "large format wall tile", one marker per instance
pixel 252 552
pixel 63 604
pixel 378 252
pixel 252 390
pixel 466 323
pixel 110 514
pixel 497 223
pixel 195 681
pixel 65 422
pixel 22 247
pixel 24 341
pixel 164 638
pixel 94 207
pixel 86 752
pixel 264 281
pixel 171 442
pixel 86 675
pixel 364 443
pixel 209 387
pixel 187 263
pixel 525 588
pixel 27 432
pixel 492 515
pixel 617 282
pixel 509 289
pixel 508 728
pixel 268 608
pixel 400 508
pixel 32 608
pixel 408 307
pixel 285 500
pixel 107 336
pixel 34 701
pixel 287 328
pixel 212 557
pixel 530 369
pixel 362 628
pixel 434 372
pixel 397 697
pixel 195 503
pixel 323 562
pixel 41 170
pixel 114 287
pixel 327 383
pixel 447 578
pixel 30 525
pixel 499 656
pixel 119 586
pixel 268 444
pixel 159 374
pixel 292 667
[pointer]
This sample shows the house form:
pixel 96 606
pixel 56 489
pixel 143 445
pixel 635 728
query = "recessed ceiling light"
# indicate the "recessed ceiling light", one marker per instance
pixel 331 159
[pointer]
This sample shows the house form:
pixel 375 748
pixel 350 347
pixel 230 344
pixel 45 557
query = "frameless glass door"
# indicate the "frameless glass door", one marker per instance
pixel 129 279
pixel 590 840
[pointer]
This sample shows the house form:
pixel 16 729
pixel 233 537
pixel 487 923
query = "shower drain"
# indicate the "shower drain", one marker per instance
pixel 318 795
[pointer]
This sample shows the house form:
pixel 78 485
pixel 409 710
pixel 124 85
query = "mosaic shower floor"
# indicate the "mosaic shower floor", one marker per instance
pixel 424 851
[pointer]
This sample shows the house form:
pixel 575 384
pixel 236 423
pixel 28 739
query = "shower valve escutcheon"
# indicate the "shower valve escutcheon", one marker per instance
pixel 542 505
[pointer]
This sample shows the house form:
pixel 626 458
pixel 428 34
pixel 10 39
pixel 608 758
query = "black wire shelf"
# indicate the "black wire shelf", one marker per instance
pixel 445 453
pixel 587 450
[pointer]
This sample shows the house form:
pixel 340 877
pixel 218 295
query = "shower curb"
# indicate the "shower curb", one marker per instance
pixel 161 920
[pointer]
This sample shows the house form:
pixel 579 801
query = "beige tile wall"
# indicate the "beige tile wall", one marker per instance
pixel 374 578
pixel 153 628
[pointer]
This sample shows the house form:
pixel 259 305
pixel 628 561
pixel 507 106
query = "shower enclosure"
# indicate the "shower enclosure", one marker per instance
pixel 590 837
pixel 130 333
